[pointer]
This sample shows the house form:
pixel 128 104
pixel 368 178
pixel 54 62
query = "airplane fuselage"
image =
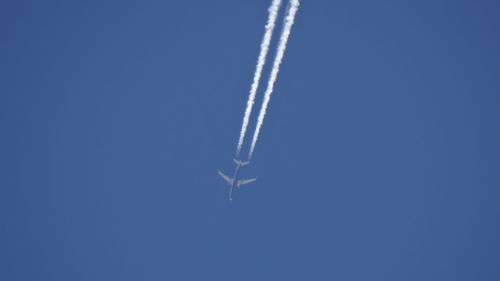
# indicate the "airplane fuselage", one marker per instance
pixel 233 181
pixel 235 174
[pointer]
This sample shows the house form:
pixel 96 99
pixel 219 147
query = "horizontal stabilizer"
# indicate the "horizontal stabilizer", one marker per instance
pixel 242 182
pixel 239 162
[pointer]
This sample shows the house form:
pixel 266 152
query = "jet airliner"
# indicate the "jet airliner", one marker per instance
pixel 232 181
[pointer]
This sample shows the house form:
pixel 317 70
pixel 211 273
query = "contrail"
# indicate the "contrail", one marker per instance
pixel 294 6
pixel 264 48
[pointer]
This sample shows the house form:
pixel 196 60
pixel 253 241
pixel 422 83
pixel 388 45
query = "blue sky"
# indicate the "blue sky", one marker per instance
pixel 378 158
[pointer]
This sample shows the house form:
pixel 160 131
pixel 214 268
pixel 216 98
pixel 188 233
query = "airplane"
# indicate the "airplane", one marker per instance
pixel 231 181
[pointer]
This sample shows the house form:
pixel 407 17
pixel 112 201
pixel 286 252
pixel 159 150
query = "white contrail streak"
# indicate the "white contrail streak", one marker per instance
pixel 264 48
pixel 294 6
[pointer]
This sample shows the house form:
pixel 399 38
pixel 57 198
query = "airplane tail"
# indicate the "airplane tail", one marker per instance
pixel 240 162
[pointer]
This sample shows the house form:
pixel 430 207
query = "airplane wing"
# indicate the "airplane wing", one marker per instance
pixel 228 179
pixel 242 182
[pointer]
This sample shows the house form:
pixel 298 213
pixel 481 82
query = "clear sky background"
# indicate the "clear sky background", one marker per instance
pixel 379 158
